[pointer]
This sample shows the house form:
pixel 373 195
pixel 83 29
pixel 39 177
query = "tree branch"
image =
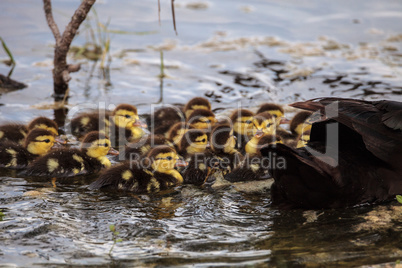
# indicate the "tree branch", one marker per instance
pixel 50 20
pixel 76 20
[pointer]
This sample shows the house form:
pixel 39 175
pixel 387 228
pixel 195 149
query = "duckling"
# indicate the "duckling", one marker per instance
pixel 196 103
pixel 122 124
pixel 242 121
pixel 68 162
pixel 223 148
pixel 363 166
pixel 193 146
pixel 263 123
pixel 154 173
pixel 201 119
pixel 18 132
pixel 193 141
pixel 303 138
pixel 254 166
pixel 140 147
pixel 163 118
pixel 176 132
pixel 38 142
pixel 276 111
pixel 298 123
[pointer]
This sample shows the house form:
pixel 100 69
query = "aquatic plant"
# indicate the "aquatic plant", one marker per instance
pixel 1 215
pixel 399 198
pixel 116 240
pixel 11 61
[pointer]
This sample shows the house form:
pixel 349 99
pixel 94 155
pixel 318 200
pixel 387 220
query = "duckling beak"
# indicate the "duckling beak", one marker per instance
pixel 60 140
pixel 259 133
pixel 284 121
pixel 113 152
pixel 138 123
pixel 181 163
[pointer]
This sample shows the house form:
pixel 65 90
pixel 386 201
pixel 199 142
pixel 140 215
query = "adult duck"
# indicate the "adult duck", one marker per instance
pixel 353 157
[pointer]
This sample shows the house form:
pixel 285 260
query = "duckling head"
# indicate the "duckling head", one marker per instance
pixel 201 119
pixel 164 159
pixel 263 123
pixel 222 139
pixel 193 141
pixel 176 132
pixel 97 145
pixel 39 141
pixel 44 123
pixel 298 123
pixel 275 110
pixel 304 137
pixel 242 121
pixel 196 103
pixel 125 115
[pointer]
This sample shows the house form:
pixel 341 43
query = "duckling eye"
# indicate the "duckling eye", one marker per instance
pixel 169 158
pixel 274 115
pixel 127 116
pixel 106 145
pixel 207 121
pixel 269 124
pixel 203 140
pixel 248 122
pixel 47 140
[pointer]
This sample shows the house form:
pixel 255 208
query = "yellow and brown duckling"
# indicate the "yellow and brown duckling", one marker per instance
pixel 68 162
pixel 176 132
pixel 304 138
pixel 153 173
pixel 275 110
pixel 163 118
pixel 223 148
pixel 254 166
pixel 242 120
pixel 201 119
pixel 17 132
pixel 193 141
pixel 193 147
pixel 263 123
pixel 140 147
pixel 196 103
pixel 297 126
pixel 38 142
pixel 122 123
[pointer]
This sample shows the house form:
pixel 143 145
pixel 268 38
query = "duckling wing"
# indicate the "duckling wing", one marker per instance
pixel 250 169
pixel 127 176
pixel 59 163
pixel 14 155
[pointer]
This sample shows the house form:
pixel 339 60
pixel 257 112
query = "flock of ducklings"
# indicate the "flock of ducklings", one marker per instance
pixel 176 145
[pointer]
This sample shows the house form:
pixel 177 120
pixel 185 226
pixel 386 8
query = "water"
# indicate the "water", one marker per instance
pixel 234 53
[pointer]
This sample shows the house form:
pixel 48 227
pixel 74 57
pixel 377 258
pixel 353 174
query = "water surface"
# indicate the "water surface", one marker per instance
pixel 234 53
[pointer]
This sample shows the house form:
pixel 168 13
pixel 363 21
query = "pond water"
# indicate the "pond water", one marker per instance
pixel 235 53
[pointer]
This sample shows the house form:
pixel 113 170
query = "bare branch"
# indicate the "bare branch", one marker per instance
pixel 50 20
pixel 78 17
